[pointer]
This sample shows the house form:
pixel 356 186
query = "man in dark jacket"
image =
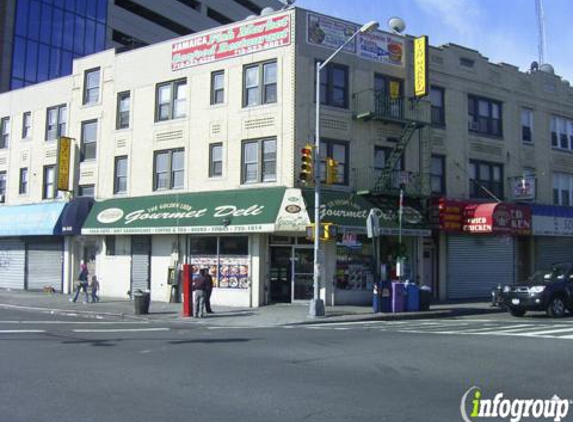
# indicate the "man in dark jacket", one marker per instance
pixel 208 289
pixel 199 285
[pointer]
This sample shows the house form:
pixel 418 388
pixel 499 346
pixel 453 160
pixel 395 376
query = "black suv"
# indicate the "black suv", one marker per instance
pixel 549 290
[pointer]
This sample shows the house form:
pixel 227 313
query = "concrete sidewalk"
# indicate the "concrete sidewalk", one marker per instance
pixel 267 316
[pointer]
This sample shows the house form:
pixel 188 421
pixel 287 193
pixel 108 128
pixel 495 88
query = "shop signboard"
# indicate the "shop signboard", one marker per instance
pixel 414 220
pixel 377 46
pixel 552 220
pixel 340 208
pixel 293 216
pixel 247 37
pixel 28 220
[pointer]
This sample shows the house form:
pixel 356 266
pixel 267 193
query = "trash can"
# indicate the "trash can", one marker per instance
pixel 412 297
pixel 141 302
pixel 425 298
pixel 398 293
pixel 386 296
pixel 376 303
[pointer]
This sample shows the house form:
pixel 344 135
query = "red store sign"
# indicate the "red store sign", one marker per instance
pixel 247 37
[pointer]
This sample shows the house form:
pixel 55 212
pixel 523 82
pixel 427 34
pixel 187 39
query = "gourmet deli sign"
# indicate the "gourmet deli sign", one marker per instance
pixel 232 41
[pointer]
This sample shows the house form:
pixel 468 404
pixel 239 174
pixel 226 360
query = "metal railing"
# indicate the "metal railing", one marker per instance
pixel 368 178
pixel 371 104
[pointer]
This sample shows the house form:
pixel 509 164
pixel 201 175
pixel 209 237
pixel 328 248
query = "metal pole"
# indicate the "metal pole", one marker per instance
pixel 316 305
pixel 400 258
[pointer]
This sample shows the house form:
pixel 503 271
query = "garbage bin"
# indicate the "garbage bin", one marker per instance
pixel 412 297
pixel 141 302
pixel 386 296
pixel 376 303
pixel 425 298
pixel 398 297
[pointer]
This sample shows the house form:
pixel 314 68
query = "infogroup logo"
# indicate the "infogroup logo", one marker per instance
pixel 515 410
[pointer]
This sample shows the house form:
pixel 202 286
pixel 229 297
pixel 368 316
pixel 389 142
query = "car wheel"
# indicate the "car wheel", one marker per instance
pixel 556 307
pixel 516 312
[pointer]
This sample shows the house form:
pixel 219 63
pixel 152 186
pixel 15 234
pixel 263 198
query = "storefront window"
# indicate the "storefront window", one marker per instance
pixel 226 258
pixel 354 263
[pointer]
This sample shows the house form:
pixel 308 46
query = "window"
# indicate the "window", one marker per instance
pixel 465 62
pixel 110 245
pixel 4 132
pixel 2 186
pixel 259 161
pixel 438 174
pixel 56 119
pixel 338 151
pixel 526 125
pixel 484 116
pixel 562 189
pixel 89 136
pixel 171 98
pixel 260 84
pixel 561 133
pixel 438 111
pixel 218 87
pixel 169 169
pixel 215 160
pixel 381 154
pixel 123 106
pixel 120 178
pixel 217 16
pixel 91 86
pixel 26 125
pixel 486 177
pixel 23 185
pixel 388 96
pixel 154 17
pixel 86 191
pixel 334 86
pixel 49 186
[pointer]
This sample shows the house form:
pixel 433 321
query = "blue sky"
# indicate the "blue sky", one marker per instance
pixel 502 30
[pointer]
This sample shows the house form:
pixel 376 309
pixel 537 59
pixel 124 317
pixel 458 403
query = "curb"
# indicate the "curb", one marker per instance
pixel 374 317
pixel 73 312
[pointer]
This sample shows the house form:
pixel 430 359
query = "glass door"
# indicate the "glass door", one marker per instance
pixel 303 272
pixel 280 275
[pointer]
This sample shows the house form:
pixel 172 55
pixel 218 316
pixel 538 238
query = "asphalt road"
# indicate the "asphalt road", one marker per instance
pixel 72 369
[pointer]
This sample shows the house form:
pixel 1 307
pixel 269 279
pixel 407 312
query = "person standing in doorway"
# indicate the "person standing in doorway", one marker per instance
pixel 208 289
pixel 199 290
pixel 82 283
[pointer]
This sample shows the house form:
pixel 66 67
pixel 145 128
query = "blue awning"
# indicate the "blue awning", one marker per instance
pixel 552 211
pixel 74 216
pixel 31 220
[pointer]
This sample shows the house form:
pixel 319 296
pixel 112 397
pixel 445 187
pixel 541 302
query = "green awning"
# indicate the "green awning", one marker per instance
pixel 414 218
pixel 234 211
pixel 341 208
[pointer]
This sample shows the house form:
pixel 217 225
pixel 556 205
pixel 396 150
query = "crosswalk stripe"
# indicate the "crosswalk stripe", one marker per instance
pixel 120 330
pixel 546 332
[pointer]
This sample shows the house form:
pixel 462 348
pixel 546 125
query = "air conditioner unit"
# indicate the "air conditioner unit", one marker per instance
pixel 473 125
pixel 2 199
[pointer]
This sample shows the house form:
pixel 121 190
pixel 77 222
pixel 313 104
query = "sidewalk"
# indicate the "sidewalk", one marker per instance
pixel 267 316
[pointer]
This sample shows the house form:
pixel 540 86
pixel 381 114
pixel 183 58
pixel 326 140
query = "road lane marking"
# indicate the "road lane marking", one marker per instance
pixel 119 330
pixel 75 322
pixel 22 331
pixel 545 332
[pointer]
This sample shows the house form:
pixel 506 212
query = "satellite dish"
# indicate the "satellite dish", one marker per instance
pixel 250 17
pixel 534 66
pixel 547 68
pixel 396 24
pixel 267 11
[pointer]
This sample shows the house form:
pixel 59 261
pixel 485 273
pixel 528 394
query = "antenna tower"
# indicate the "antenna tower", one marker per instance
pixel 541 42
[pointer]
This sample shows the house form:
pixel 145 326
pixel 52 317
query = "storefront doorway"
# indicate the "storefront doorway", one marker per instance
pixel 291 273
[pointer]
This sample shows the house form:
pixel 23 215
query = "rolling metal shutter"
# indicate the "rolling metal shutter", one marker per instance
pixel 12 264
pixel 44 262
pixel 549 250
pixel 140 256
pixel 478 263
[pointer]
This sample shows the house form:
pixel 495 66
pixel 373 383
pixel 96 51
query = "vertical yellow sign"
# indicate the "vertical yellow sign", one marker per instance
pixel 64 152
pixel 421 66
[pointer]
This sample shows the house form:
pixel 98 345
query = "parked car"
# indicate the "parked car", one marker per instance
pixel 549 290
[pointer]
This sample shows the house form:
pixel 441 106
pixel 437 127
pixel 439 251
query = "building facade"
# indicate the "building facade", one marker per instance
pixel 40 39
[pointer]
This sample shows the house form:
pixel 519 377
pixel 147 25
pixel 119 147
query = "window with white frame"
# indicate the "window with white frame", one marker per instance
pixel 259 161
pixel 2 186
pixel 218 87
pixel 27 125
pixel 484 116
pixel 91 86
pixel 260 84
pixel 562 188
pixel 88 147
pixel 169 169
pixel 561 133
pixel 49 185
pixel 23 185
pixel 526 125
pixel 123 107
pixel 56 119
pixel 171 100
pixel 120 175
pixel 5 132
pixel 216 160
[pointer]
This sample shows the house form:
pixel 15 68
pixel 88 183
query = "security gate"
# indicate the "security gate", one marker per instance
pixel 44 265
pixel 12 264
pixel 140 263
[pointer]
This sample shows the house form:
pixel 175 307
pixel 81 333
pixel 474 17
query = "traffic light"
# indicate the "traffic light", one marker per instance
pixel 306 167
pixel 328 231
pixel 331 171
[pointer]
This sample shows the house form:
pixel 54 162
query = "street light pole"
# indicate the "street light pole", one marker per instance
pixel 317 304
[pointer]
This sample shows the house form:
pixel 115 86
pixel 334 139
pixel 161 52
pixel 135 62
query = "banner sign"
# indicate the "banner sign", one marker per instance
pixel 377 46
pixel 64 151
pixel 247 37
pixel 523 188
pixel 421 66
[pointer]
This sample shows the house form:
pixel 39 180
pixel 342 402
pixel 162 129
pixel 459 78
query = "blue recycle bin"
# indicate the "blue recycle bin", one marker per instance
pixel 386 296
pixel 376 303
pixel 412 297
pixel 398 297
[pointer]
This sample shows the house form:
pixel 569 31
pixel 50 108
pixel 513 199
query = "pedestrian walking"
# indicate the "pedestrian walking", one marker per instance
pixel 199 290
pixel 208 289
pixel 82 283
pixel 95 289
